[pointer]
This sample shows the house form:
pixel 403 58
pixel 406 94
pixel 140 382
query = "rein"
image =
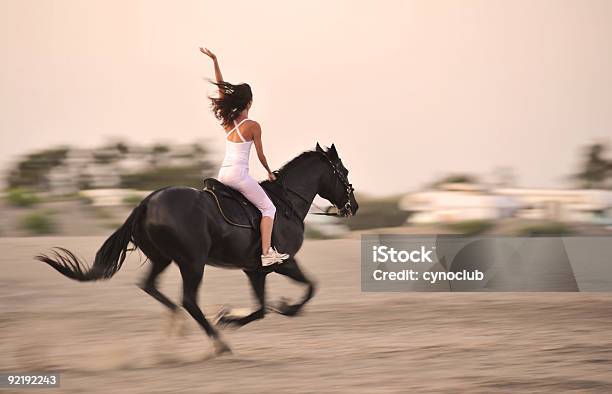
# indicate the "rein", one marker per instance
pixel 285 199
pixel 323 211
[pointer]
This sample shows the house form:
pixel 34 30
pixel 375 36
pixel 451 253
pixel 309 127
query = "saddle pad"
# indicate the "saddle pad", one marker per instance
pixel 234 207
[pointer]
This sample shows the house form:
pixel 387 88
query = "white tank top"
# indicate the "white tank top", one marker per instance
pixel 236 153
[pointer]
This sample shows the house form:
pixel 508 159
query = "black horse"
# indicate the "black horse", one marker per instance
pixel 185 225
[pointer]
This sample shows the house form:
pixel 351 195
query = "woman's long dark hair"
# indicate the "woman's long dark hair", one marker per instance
pixel 231 101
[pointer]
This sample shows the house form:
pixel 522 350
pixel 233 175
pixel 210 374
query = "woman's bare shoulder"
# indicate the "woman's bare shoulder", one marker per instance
pixel 253 126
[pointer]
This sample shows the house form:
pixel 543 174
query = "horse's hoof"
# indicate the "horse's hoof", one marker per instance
pixel 220 347
pixel 283 307
pixel 218 316
pixel 230 317
pixel 225 322
pixel 221 317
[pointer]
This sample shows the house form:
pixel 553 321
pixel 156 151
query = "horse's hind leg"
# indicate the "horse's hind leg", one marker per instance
pixel 149 284
pixel 192 278
pixel 176 320
pixel 291 270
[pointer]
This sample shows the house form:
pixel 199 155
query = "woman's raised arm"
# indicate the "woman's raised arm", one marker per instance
pixel 218 75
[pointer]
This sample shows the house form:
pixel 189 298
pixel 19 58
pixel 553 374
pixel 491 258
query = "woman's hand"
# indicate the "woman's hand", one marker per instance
pixel 271 176
pixel 208 53
pixel 218 75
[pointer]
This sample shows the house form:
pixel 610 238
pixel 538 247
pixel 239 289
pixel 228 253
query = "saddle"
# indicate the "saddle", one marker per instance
pixel 240 212
pixel 234 207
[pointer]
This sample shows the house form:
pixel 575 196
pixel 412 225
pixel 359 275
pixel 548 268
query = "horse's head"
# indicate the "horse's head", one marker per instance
pixel 335 186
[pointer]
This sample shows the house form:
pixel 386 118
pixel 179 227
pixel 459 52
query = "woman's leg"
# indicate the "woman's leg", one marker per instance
pixel 253 191
pixel 266 233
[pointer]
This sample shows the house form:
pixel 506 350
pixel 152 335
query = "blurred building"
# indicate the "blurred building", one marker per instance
pixel 455 202
pixel 580 205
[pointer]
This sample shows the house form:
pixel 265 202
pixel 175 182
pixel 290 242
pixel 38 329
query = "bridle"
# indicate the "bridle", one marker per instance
pixel 339 177
pixel 347 186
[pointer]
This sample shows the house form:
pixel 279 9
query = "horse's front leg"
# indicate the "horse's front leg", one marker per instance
pixel 258 283
pixel 290 269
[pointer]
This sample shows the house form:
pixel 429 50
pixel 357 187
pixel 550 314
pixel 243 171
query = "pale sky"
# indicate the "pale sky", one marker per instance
pixel 407 90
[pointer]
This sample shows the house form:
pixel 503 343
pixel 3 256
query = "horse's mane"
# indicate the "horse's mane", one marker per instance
pixel 291 163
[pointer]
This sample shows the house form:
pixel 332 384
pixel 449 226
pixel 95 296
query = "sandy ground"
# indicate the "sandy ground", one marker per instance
pixel 108 337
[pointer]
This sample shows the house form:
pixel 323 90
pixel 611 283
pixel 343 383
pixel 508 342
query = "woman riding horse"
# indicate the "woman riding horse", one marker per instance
pixel 232 108
pixel 184 225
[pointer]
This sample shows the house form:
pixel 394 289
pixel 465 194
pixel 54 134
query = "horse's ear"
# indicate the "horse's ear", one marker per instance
pixel 319 149
pixel 332 150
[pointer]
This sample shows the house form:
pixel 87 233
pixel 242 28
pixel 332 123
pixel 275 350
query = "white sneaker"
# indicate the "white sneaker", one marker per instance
pixel 273 257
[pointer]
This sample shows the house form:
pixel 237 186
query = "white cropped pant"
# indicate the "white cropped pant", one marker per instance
pixel 239 178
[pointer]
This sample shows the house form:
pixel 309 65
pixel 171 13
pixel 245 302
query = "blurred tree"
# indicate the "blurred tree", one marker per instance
pixel 106 156
pixel 455 178
pixel 596 169
pixel 198 149
pixel 158 177
pixel 504 177
pixel 32 171
pixel 190 172
pixel 157 153
pixel 147 168
pixel 377 213
pixel 122 148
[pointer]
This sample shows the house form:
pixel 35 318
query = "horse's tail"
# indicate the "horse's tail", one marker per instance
pixel 109 257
